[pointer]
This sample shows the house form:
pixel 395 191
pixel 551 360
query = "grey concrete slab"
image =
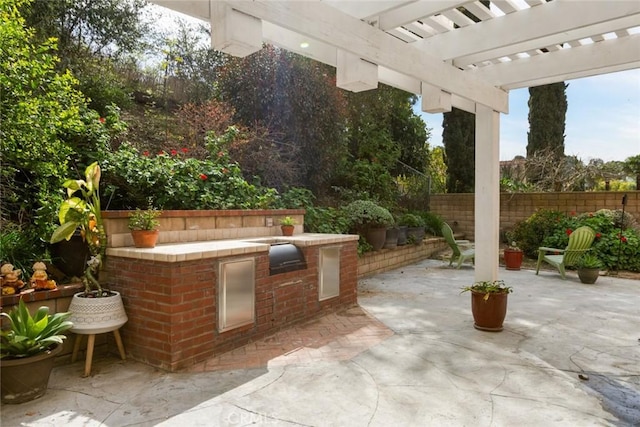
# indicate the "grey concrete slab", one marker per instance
pixel 436 369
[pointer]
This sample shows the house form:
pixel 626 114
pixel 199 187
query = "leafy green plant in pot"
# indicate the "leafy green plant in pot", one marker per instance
pixel 589 267
pixel 27 350
pixel 144 227
pixel 488 304
pixel 95 310
pixel 287 225
pixel 415 227
pixel 370 220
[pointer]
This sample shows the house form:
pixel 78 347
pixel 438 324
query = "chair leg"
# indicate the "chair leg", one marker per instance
pixel 540 256
pixel 561 269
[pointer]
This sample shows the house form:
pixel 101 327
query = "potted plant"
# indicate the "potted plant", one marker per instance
pixel 95 310
pixel 287 225
pixel 27 351
pixel 369 220
pixel 488 304
pixel 589 268
pixel 513 256
pixel 144 227
pixel 415 227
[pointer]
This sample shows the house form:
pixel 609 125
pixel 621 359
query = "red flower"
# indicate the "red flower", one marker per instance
pixel 145 153
pixel 161 153
pixel 174 152
pixel 220 153
pixel 573 213
pixel 623 239
pixel 590 214
pixel 102 120
pixel 203 177
pixel 598 235
pixel 569 231
pixel 184 150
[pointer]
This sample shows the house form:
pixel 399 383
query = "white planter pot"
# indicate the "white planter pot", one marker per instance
pixel 97 315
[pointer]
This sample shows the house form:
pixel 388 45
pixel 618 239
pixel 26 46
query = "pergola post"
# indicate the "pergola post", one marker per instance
pixel 487 193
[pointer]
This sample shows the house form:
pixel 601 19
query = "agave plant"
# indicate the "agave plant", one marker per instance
pixel 30 335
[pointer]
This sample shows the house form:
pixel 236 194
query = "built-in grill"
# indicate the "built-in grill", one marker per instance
pixel 285 257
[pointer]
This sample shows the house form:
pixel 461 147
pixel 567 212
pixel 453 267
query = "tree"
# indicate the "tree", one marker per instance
pixel 547 113
pixel 295 98
pixel 38 107
pixel 458 137
pixel 632 166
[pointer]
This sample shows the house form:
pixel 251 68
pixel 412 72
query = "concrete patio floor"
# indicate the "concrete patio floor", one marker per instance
pixel 407 356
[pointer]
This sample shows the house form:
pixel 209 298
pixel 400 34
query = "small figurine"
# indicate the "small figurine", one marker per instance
pixel 10 279
pixel 40 279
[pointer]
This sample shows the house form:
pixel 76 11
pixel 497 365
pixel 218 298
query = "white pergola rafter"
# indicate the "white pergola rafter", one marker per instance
pixel 455 53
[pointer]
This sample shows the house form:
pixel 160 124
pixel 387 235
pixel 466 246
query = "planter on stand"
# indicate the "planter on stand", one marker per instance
pixel 91 316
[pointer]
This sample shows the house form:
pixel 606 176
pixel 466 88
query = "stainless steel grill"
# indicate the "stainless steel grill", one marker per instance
pixel 285 257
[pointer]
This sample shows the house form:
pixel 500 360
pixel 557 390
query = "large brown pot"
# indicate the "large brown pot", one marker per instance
pixel 488 314
pixel 26 378
pixel 144 238
pixel 287 230
pixel 513 259
pixel 376 237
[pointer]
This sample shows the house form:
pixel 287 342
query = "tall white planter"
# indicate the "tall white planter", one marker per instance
pixel 97 315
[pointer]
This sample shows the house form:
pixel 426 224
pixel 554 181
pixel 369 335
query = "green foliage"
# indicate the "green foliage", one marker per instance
pixel 296 198
pixel 173 181
pixel 552 229
pixel 364 214
pixel 411 220
pixel 30 335
pixel 458 137
pixel 531 232
pixel 16 247
pixel 589 261
pixel 144 219
pixel 488 288
pixel 325 220
pixel 432 223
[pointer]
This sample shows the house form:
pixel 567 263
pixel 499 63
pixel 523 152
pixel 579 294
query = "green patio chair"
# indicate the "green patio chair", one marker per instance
pixel 579 242
pixel 462 249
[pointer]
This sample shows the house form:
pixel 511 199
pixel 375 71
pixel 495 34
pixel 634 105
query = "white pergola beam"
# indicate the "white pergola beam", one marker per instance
pixel 435 100
pixel 415 11
pixel 565 64
pixel 234 32
pixel 355 74
pixel 514 33
pixel 322 22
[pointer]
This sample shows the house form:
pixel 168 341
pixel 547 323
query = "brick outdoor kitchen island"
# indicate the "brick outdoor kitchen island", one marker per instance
pixel 187 302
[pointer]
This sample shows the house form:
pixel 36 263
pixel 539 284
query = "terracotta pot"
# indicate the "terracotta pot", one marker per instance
pixel 513 259
pixel 376 237
pixel 287 230
pixel 144 238
pixel 489 314
pixel 97 315
pixel 588 275
pixel 26 378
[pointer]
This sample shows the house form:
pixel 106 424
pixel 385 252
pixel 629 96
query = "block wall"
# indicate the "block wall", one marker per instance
pixel 458 209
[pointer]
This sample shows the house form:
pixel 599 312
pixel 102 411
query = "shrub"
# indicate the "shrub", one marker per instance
pixel 411 220
pixel 325 220
pixel 432 223
pixel 531 232
pixel 363 214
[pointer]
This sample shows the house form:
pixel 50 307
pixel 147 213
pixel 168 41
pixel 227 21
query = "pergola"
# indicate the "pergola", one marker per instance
pixel 454 53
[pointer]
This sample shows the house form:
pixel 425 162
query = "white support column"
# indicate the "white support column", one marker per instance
pixel 487 193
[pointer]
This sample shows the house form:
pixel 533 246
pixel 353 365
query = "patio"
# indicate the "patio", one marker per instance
pixel 408 355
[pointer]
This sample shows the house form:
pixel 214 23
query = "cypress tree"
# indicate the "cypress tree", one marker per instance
pixel 547 113
pixel 458 137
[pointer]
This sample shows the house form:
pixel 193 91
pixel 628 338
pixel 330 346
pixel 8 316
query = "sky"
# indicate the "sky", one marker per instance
pixel 603 119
